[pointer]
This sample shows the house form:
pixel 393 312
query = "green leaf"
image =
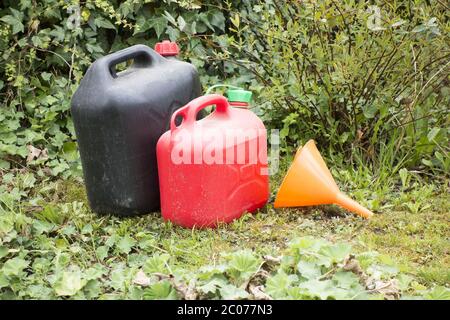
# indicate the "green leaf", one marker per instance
pixel 438 293
pixel 69 283
pixel 309 270
pixel 170 18
pixel 337 252
pixel 404 281
pixel 125 244
pixel 346 280
pixel 217 19
pixel 231 292
pixel 181 23
pixel 16 24
pixel 3 251
pixel 277 285
pixel 244 262
pixel 433 133
pixel 102 252
pixel 162 290
pixel 321 289
pixel 156 263
pixel 95 272
pixel 173 33
pixel 14 267
pixel 159 25
pixel 103 23
pixel 306 244
pixel 40 291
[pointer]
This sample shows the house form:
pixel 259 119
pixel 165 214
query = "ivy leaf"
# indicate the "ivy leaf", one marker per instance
pixel 17 25
pixel 6 223
pixel 95 272
pixel 203 17
pixel 159 25
pixel 4 282
pixel 28 180
pixel 162 290
pixel 170 18
pixel 181 23
pixel 69 283
pixel 13 267
pixel 92 289
pixel 118 278
pixel 217 19
pixel 382 271
pixel 3 251
pixel 102 252
pixel 173 33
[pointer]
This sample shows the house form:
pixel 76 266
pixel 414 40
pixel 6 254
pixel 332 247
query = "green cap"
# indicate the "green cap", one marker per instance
pixel 239 95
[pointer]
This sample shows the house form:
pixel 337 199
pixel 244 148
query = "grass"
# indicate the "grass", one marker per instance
pixel 412 227
pixel 50 227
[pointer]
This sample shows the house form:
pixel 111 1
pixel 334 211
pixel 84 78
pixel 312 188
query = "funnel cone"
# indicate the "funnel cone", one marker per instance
pixel 308 182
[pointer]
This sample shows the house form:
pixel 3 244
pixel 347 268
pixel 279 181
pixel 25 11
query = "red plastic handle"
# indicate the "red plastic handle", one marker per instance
pixel 189 111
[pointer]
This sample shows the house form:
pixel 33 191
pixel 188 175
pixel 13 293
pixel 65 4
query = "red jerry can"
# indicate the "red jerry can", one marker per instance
pixel 215 169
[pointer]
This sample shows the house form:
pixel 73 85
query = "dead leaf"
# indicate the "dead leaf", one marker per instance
pixel 258 293
pixel 187 292
pixel 36 153
pixel 389 289
pixel 351 264
pixel 270 259
pixel 141 279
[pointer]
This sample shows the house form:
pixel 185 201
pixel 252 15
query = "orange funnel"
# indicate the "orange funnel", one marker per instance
pixel 308 182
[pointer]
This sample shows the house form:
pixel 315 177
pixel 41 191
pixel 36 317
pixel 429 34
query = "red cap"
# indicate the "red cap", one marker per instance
pixel 167 48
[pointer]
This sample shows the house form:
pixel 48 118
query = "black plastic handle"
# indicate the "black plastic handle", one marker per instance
pixel 141 55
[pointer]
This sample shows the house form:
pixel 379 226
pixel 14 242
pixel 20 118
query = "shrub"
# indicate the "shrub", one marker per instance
pixel 46 48
pixel 368 83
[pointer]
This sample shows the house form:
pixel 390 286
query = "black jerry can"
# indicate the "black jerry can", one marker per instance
pixel 118 119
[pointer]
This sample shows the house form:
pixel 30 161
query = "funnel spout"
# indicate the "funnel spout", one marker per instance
pixel 353 206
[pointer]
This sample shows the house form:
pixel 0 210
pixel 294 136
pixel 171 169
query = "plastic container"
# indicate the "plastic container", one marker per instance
pixel 119 117
pixel 215 169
